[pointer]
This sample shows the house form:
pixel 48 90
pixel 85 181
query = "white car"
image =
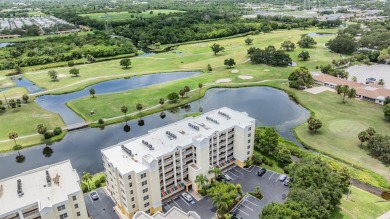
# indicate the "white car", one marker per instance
pixel 187 197
pixel 282 177
pixel 227 177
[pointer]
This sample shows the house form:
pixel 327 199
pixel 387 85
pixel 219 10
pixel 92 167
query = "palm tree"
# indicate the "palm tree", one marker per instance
pixel 92 92
pixel 41 129
pixel 186 89
pixel 124 111
pixel 139 107
pixel 87 177
pixel 345 92
pixel 13 135
pixel 200 85
pixel 221 203
pixel 201 180
pixel 216 171
pixel 161 101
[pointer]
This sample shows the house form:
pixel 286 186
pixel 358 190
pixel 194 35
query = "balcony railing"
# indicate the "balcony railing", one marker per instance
pixel 27 214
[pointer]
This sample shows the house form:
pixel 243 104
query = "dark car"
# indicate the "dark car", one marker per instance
pixel 94 196
pixel 261 172
pixel 220 178
pixel 234 215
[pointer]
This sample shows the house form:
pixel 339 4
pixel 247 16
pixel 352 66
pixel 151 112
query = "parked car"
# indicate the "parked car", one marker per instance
pixel 282 177
pixel 261 172
pixel 187 197
pixel 233 215
pixel 286 182
pixel 220 178
pixel 226 177
pixel 94 196
pixel 370 80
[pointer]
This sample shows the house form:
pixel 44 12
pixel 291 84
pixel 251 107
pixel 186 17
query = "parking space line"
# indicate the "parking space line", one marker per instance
pixel 243 211
pixel 233 174
pixel 185 201
pixel 177 204
pixel 277 178
pixel 251 202
pixel 271 175
pixel 239 172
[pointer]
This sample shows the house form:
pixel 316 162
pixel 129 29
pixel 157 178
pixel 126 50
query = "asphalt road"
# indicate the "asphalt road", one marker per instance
pixel 103 208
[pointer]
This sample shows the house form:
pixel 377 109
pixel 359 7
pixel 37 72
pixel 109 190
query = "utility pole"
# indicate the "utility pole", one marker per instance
pixel 6 101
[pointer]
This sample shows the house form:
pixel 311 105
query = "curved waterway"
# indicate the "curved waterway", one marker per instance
pixel 269 106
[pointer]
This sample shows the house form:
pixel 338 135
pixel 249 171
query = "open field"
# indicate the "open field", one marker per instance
pixel 29 38
pixel 192 57
pixel 15 92
pixel 24 120
pixel 124 15
pixel 341 124
pixel 361 205
pixel 6 82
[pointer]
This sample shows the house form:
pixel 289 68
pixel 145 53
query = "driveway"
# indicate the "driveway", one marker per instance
pixel 102 208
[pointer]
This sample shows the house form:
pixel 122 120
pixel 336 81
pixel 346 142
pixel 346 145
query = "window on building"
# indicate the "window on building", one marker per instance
pixel 60 208
pixel 76 206
pixel 120 176
pixel 249 146
pixel 62 216
pixel 248 152
pixel 145 190
pixel 249 141
pixel 130 184
pixel 132 199
pixel 249 135
pixel 143 175
pixel 250 128
pixel 78 214
pixel 129 177
pixel 147 212
pixel 74 198
pixel 146 204
pixel 133 206
pixel 131 192
pixel 146 197
pixel 144 183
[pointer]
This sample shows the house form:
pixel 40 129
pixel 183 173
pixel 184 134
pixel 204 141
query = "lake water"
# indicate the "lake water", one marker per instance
pixel 56 103
pixel 269 106
pixel 320 34
pixel 23 82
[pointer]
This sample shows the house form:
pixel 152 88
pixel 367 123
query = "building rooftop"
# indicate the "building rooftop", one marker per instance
pixel 166 139
pixel 173 213
pixel 44 186
pixel 374 91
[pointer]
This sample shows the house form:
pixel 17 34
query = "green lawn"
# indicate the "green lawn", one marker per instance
pixel 124 15
pixel 341 124
pixel 13 93
pixel 361 205
pixel 6 82
pixel 194 57
pixel 24 120
pixel 29 38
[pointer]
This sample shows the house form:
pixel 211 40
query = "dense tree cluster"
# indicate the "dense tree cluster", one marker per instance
pixel 343 44
pixel 306 42
pixel 63 48
pixel 300 78
pixel 269 56
pixel 316 190
pixel 377 144
pixel 336 72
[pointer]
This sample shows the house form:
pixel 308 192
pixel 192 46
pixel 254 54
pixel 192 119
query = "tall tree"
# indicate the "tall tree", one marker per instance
pixel 200 85
pixel 87 177
pixel 314 124
pixel 124 110
pixel 186 89
pixel 304 55
pixel 161 101
pixel 266 139
pixel 363 137
pixel 217 48
pixel 173 97
pixel 306 42
pixel 13 135
pixel 343 43
pixel 12 103
pixel 125 63
pixel 300 78
pixel 345 92
pixel 92 92
pixel 201 180
pixel 41 129
pixel 74 71
pixel 229 62
pixel 248 41
pixel 216 172
pixel 288 46
pixel 25 98
pixel 53 75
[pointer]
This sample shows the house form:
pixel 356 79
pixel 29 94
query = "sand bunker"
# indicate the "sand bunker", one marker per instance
pixel 223 80
pixel 266 69
pixel 234 71
pixel 62 76
pixel 245 77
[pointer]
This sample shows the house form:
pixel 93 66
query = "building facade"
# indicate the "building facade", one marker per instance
pixel 144 171
pixel 49 192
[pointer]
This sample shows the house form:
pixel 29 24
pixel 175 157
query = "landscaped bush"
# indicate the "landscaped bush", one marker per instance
pixel 101 121
pixel 98 183
pixel 48 134
pixel 84 187
pixel 57 131
pixel 103 179
pixel 202 192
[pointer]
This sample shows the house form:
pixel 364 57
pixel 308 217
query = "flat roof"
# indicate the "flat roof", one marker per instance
pixel 182 135
pixel 35 188
pixel 172 213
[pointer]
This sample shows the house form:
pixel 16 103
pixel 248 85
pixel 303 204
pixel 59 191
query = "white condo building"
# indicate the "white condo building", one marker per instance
pixel 144 171
pixel 48 192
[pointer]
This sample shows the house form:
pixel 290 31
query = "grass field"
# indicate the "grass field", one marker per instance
pixel 361 205
pixel 124 15
pixel 6 82
pixel 29 38
pixel 192 57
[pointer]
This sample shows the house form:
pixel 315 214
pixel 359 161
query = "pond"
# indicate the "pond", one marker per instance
pixel 269 106
pixel 56 103
pixel 5 44
pixel 23 82
pixel 320 34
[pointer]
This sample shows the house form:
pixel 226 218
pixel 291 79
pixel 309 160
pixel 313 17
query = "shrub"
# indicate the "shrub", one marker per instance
pixel 48 134
pixel 103 179
pixel 84 187
pixel 98 183
pixel 101 121
pixel 70 63
pixel 17 147
pixel 57 131
pixel 202 192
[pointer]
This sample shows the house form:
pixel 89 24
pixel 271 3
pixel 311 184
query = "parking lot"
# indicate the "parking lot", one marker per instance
pixel 250 207
pixel 102 208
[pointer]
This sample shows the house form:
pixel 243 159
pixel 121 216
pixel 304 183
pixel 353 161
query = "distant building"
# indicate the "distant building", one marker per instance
pixel 369 92
pixel 85 28
pixel 48 192
pixel 173 213
pixel 67 31
pixel 143 172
